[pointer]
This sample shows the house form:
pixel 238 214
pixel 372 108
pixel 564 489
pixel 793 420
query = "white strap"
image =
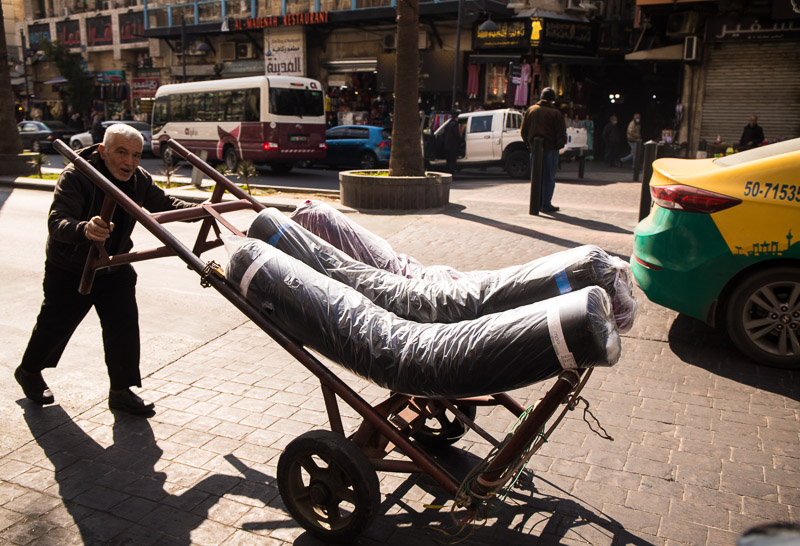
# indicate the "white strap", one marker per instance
pixel 565 357
pixel 251 271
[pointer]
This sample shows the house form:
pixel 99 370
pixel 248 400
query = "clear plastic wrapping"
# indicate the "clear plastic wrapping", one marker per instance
pixel 493 353
pixel 448 299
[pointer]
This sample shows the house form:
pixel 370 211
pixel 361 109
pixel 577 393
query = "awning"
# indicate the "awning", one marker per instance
pixel 668 53
pixel 493 59
pixel 572 59
pixel 60 79
pixel 339 66
pixel 17 81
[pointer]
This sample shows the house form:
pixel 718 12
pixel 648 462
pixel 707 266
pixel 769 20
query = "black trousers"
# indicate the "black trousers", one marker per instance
pixel 113 296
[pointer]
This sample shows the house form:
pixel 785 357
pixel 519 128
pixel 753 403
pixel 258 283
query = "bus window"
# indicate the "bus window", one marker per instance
pixel 231 105
pixel 252 110
pixel 295 102
pixel 206 107
pixel 176 108
pixel 159 114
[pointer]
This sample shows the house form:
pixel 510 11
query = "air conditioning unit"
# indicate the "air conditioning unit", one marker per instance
pixel 690 48
pixel 576 5
pixel 682 23
pixel 592 6
pixel 227 51
pixel 423 40
pixel 244 51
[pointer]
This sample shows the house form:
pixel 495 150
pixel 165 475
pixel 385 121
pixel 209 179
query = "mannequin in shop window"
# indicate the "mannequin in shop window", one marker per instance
pixel 521 95
pixel 473 73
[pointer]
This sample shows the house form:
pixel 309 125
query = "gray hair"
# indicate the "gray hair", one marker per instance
pixel 120 130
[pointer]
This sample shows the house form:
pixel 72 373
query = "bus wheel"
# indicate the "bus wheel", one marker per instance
pixel 167 156
pixel 281 168
pixel 229 156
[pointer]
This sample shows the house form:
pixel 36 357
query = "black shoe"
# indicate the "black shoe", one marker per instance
pixel 127 401
pixel 33 386
pixel 551 209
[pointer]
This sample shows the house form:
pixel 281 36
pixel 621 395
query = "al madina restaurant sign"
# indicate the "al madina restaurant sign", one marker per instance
pixel 509 34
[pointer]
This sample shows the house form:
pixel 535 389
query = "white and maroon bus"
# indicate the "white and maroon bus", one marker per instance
pixel 275 120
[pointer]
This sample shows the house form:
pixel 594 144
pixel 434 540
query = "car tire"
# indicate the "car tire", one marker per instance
pixel 75 144
pixel 230 158
pixel 368 160
pixel 763 317
pixel 517 164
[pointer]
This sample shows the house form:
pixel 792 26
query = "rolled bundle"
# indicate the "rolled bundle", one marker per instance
pixel 493 353
pixel 449 300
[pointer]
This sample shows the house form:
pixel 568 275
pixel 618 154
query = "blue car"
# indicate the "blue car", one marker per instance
pixel 358 145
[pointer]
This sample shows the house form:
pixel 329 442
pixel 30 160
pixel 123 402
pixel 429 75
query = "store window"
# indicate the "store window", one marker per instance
pixel 496 82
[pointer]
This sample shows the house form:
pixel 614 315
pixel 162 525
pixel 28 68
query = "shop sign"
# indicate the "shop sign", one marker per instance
pixel 99 31
pixel 614 38
pixel 38 33
pixel 244 67
pixel 68 33
pixel 284 51
pixel 288 20
pixel 508 34
pixel 435 70
pixel 561 36
pixel 131 27
pixel 144 87
pixel 750 29
pixel 110 76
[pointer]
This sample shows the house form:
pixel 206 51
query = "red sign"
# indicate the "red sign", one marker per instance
pixel 290 19
pixel 144 87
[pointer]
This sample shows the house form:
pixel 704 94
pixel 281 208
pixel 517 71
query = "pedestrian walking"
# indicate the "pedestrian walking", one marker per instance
pixel 544 120
pixel 634 135
pixel 611 141
pixel 452 139
pixel 752 135
pixel 74 225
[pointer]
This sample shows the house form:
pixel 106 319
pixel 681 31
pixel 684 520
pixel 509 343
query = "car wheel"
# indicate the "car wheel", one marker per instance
pixel 368 160
pixel 517 164
pixel 763 317
pixel 75 144
pixel 36 147
pixel 230 159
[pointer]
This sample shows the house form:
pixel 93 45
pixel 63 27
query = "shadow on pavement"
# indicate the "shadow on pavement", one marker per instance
pixel 115 494
pixel 698 344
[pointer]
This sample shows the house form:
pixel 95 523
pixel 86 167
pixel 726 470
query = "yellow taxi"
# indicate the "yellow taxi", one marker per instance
pixel 722 244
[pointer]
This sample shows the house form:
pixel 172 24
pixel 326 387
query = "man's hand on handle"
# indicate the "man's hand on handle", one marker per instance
pixel 98 230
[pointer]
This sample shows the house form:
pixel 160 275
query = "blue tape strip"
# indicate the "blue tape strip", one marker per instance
pixel 563 282
pixel 277 237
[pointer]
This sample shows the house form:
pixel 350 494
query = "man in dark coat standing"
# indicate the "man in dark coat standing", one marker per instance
pixel 752 135
pixel 544 120
pixel 74 224
pixel 452 138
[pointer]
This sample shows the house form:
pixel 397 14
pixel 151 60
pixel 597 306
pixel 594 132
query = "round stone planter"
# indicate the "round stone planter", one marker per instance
pixel 362 190
pixel 17 164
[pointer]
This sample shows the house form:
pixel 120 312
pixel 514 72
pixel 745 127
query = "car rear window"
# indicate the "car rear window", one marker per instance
pixel 386 135
pixel 762 152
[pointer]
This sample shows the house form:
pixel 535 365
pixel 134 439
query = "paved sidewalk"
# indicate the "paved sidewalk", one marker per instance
pixel 705 443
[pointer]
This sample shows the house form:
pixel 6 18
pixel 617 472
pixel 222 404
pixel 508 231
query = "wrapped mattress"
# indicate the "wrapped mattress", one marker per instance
pixel 490 354
pixel 454 300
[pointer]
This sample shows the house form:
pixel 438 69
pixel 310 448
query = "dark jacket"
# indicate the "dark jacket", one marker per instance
pixel 751 136
pixel 544 120
pixel 76 200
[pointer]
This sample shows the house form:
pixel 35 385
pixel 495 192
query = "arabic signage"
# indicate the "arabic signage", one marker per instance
pixel 131 27
pixel 288 20
pixel 68 33
pixel 562 36
pixel 508 34
pixel 109 76
pixel 99 31
pixel 284 49
pixel 746 29
pixel 244 67
pixel 142 88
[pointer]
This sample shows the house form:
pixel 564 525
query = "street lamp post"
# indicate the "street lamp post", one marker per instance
pixel 25 71
pixel 183 47
pixel 458 53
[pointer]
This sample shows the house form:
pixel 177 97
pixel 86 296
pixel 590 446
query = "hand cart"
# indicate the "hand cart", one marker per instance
pixel 338 500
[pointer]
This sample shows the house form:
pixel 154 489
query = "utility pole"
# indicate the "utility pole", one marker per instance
pixel 183 47
pixel 25 71
pixel 458 52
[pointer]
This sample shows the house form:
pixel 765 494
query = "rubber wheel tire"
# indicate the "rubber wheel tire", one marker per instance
pixel 281 168
pixel 167 156
pixel 763 317
pixel 445 429
pixel 368 160
pixel 230 159
pixel 76 145
pixel 517 164
pixel 36 147
pixel 318 472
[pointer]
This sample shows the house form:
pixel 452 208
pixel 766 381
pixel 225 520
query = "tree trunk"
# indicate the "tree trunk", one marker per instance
pixel 406 158
pixel 12 144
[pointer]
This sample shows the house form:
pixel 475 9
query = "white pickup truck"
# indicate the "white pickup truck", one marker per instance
pixel 489 138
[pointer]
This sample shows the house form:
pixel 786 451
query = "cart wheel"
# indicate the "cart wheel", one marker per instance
pixel 445 429
pixel 328 485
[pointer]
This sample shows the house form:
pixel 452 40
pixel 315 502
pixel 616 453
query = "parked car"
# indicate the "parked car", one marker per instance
pixel 38 136
pixel 722 244
pixel 81 140
pixel 362 146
